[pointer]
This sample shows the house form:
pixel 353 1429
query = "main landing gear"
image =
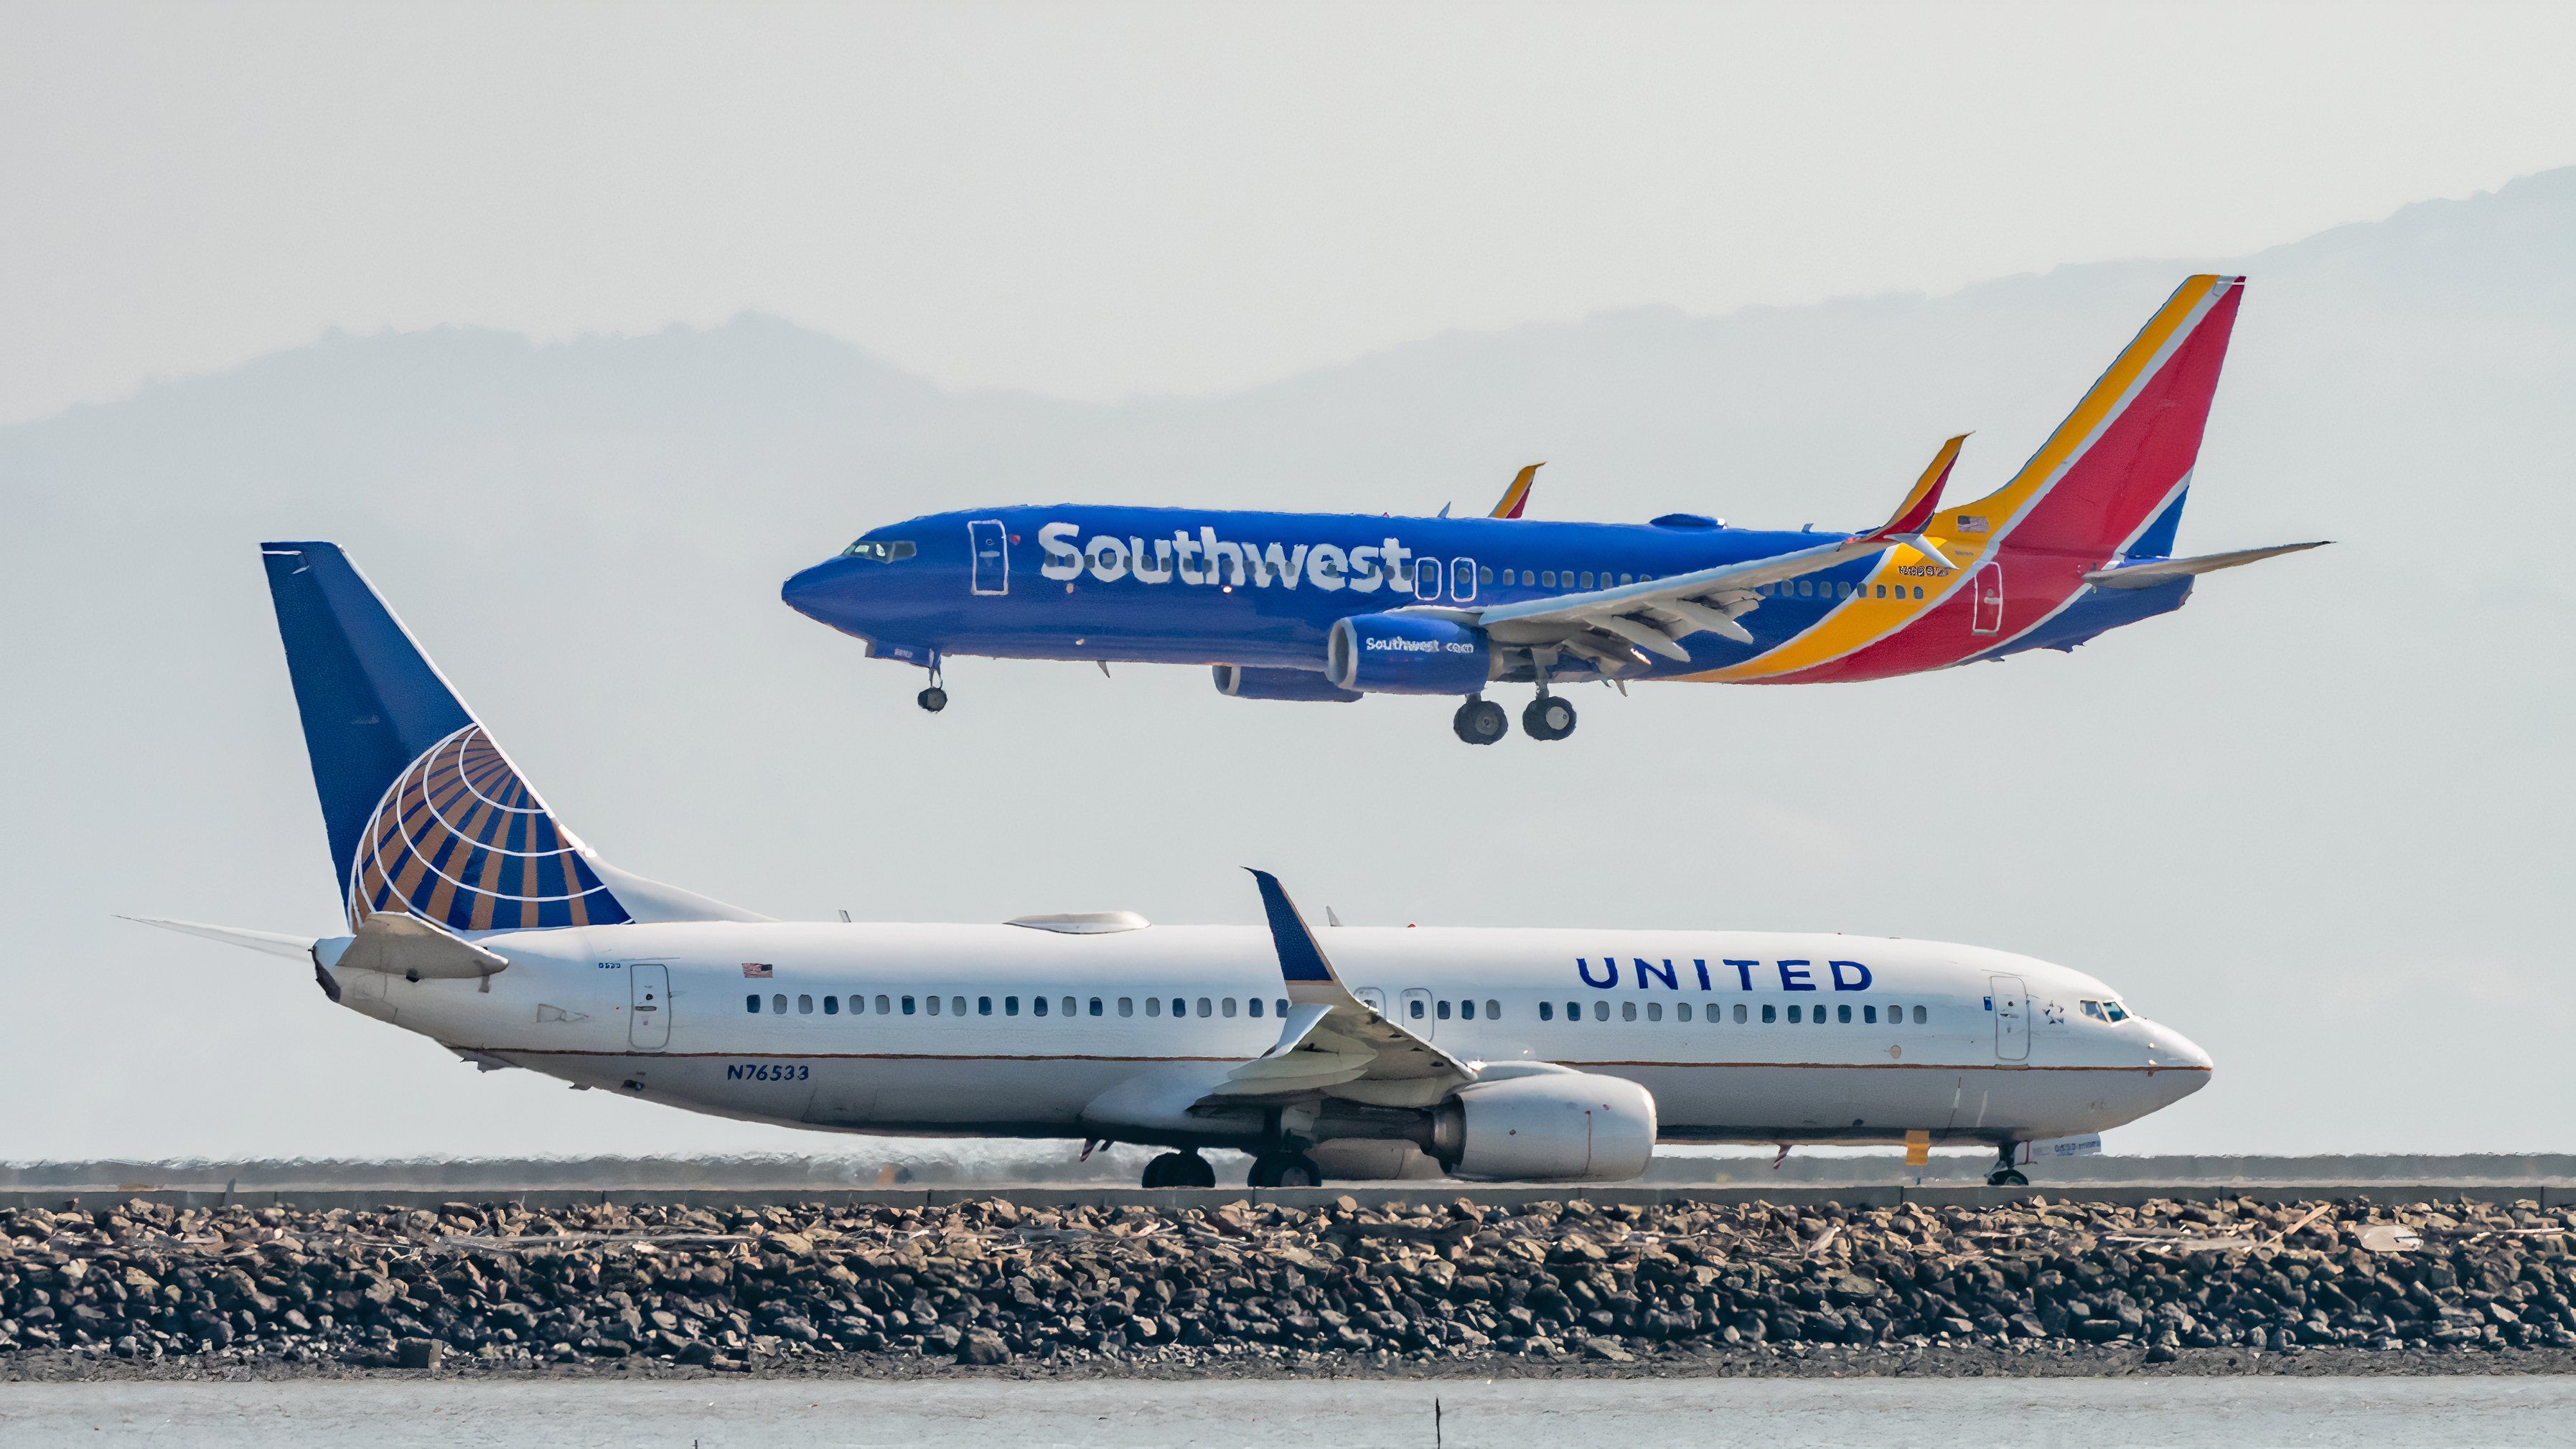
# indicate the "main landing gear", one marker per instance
pixel 1285 1169
pixel 1480 721
pixel 1180 1169
pixel 1547 717
pixel 2005 1174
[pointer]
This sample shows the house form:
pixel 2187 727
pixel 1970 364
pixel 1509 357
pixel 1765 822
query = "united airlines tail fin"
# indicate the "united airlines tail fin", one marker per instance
pixel 427 816
pixel 2110 480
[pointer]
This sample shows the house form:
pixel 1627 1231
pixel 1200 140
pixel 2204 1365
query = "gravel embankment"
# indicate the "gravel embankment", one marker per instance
pixel 1248 1287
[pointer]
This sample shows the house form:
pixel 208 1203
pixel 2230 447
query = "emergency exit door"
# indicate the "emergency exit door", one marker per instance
pixel 648 1022
pixel 1417 1017
pixel 2010 1000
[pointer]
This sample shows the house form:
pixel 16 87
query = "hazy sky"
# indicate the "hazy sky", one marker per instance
pixel 1097 200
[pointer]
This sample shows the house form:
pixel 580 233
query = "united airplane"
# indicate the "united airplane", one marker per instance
pixel 1310 606
pixel 476 918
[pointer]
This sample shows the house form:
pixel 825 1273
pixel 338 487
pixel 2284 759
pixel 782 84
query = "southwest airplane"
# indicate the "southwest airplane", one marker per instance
pixel 1310 606
pixel 478 920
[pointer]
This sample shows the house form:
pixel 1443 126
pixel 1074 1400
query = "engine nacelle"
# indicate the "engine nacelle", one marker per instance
pixel 1407 654
pixel 1547 1127
pixel 1246 683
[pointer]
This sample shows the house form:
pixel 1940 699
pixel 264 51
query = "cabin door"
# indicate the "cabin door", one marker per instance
pixel 648 1023
pixel 1989 599
pixel 992 549
pixel 1417 1013
pixel 2012 1018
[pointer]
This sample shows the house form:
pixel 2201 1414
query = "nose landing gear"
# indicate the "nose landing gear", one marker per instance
pixel 935 698
pixel 2005 1174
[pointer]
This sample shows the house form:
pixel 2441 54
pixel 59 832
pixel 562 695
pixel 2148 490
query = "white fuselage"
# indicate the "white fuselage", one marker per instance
pixel 1739 1036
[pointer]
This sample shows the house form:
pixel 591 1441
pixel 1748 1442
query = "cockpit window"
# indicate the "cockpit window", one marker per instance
pixel 880 550
pixel 2093 1009
pixel 2115 1011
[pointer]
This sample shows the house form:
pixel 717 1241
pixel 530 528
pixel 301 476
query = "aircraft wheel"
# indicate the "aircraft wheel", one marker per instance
pixel 1548 717
pixel 1285 1169
pixel 1481 722
pixel 1191 1170
pixel 1165 1171
pixel 933 699
pixel 2006 1177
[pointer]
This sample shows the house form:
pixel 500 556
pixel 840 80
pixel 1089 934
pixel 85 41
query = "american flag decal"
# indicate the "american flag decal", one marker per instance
pixel 1972 523
pixel 759 970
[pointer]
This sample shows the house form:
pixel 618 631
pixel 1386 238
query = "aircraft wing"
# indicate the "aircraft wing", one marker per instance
pixel 1333 1041
pixel 1617 627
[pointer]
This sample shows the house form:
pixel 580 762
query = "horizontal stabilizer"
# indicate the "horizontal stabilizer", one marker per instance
pixel 271 942
pixel 408 946
pixel 2151 572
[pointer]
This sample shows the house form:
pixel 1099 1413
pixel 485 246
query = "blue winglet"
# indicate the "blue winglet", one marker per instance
pixel 1300 959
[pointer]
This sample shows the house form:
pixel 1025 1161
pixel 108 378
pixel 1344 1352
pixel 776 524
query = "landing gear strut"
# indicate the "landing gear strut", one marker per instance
pixel 1547 717
pixel 1480 721
pixel 2005 1174
pixel 933 699
pixel 1285 1169
pixel 1180 1169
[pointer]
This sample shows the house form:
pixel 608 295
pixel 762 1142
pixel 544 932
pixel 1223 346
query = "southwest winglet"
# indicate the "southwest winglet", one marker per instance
pixel 1516 497
pixel 1924 499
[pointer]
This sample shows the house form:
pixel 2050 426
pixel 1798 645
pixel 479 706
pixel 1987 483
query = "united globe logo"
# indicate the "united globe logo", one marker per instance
pixel 460 839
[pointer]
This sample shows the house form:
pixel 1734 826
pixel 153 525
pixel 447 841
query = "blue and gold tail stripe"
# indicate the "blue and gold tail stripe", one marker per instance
pixel 460 839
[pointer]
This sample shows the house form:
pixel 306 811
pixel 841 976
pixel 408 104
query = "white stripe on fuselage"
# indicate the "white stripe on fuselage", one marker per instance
pixel 1026 1074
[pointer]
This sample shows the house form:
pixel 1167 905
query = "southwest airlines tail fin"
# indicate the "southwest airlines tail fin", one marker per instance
pixel 427 816
pixel 2110 480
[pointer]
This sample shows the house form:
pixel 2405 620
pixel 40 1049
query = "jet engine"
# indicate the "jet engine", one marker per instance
pixel 1407 654
pixel 1248 683
pixel 1550 1126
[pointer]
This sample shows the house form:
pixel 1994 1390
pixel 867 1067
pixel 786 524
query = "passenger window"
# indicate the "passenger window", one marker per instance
pixel 1601 1011
pixel 1770 1013
pixel 1919 1017
pixel 778 1003
pixel 934 1006
pixel 1739 1013
pixel 1918 591
pixel 1467 1010
pixel 983 1006
pixel 1493 1010
pixel 1095 1006
pixel 1842 1014
pixel 1627 1011
pixel 1283 1008
pixel 1793 1013
pixel 1068 1007
pixel 1654 1011
pixel 1868 1014
pixel 1484 575
pixel 751 1003
pixel 1413 1009
pixel 1181 1006
pixel 1225 1007
pixel 1546 1010
pixel 1547 578
pixel 1625 578
pixel 1586 581
pixel 1682 1011
pixel 957 1006
pixel 1126 1006
pixel 804 1004
pixel 1153 1006
pixel 1037 1006
pixel 1443 1011
pixel 832 1005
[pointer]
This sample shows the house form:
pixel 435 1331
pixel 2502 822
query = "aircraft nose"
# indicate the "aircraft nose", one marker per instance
pixel 2167 1047
pixel 818 592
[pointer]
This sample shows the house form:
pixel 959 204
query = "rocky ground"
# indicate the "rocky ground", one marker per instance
pixel 1552 1287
